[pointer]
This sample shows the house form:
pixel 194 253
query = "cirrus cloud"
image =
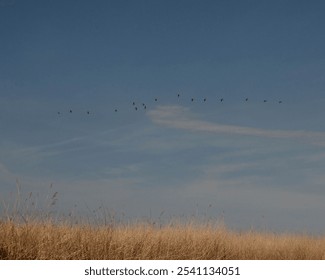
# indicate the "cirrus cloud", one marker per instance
pixel 180 117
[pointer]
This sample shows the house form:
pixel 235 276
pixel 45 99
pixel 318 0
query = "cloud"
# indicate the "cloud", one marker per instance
pixel 36 154
pixel 180 118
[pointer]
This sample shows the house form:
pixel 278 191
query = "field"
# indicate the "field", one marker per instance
pixel 44 241
pixel 38 237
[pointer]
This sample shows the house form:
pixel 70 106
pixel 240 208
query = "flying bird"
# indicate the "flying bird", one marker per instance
pixel 204 99
pixel 70 111
pixel 156 99
pixel 192 99
pixel 265 100
pixel 178 95
pixel 246 99
pixel 280 101
pixel 221 99
pixel 115 110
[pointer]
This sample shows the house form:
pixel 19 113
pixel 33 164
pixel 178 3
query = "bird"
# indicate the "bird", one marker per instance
pixel 133 103
pixel 156 99
pixel 115 110
pixel 246 99
pixel 145 107
pixel 221 99
pixel 192 99
pixel 265 100
pixel 280 101
pixel 70 111
pixel 136 108
pixel 59 113
pixel 204 99
pixel 88 112
pixel 178 95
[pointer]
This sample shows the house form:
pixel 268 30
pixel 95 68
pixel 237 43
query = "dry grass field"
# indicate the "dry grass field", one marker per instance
pixel 28 237
pixel 43 241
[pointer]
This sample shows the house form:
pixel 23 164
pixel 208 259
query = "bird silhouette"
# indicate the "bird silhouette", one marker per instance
pixel 144 106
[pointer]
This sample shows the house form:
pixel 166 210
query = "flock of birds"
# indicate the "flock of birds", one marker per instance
pixel 137 106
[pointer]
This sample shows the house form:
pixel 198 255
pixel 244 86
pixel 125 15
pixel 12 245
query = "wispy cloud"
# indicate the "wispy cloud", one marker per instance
pixel 181 118
pixel 46 150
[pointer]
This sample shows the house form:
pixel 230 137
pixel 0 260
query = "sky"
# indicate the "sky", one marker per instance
pixel 250 163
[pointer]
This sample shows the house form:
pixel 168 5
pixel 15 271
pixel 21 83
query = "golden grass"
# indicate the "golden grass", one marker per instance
pixel 46 240
pixel 30 232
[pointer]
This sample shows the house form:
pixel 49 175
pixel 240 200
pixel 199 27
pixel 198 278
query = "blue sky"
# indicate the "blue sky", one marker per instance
pixel 256 164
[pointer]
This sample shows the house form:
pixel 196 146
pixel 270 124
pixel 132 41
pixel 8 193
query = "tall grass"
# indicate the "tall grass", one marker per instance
pixel 25 237
pixel 46 240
